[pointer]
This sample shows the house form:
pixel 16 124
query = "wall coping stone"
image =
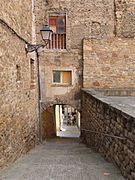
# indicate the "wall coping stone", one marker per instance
pixel 125 105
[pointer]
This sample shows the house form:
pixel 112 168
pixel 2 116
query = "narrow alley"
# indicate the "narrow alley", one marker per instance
pixel 67 89
pixel 61 159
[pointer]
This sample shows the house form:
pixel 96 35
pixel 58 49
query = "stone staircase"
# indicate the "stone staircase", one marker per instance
pixel 61 159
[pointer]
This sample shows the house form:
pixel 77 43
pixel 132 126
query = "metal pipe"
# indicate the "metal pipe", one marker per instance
pixel 39 98
pixel 104 134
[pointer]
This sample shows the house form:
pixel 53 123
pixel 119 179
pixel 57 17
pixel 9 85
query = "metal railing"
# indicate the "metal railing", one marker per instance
pixel 104 134
pixel 58 41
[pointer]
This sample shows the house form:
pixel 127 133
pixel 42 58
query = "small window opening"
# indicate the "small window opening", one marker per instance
pixel 32 73
pixel 18 73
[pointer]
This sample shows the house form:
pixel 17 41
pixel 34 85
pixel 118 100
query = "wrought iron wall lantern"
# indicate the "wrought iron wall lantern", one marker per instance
pixel 46 34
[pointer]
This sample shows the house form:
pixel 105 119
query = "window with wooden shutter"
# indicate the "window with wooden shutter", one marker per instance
pixel 66 77
pixel 58 26
pixel 62 77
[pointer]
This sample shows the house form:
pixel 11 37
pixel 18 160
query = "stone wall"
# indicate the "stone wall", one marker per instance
pixel 58 93
pixel 125 18
pixel 18 101
pixel 109 63
pixel 110 131
pixel 84 19
pixel 18 14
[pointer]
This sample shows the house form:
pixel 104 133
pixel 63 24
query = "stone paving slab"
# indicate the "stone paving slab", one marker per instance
pixel 61 159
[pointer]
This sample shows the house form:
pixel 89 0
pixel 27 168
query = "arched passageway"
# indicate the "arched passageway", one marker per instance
pixel 67 121
pixel 60 121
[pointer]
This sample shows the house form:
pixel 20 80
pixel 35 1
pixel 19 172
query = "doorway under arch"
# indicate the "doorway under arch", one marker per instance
pixel 67 121
pixel 60 121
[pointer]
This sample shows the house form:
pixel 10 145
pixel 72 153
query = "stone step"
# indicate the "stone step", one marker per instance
pixel 61 159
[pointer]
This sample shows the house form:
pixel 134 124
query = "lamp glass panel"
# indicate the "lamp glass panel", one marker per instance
pixel 45 35
pixel 50 35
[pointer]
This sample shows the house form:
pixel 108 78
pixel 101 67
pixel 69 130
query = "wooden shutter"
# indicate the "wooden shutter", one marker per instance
pixel 66 77
pixel 58 26
pixel 53 23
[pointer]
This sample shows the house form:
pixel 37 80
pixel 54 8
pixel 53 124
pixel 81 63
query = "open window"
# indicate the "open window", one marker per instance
pixel 57 23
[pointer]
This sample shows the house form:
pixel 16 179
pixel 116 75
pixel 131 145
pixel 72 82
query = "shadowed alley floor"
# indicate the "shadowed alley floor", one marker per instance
pixel 61 159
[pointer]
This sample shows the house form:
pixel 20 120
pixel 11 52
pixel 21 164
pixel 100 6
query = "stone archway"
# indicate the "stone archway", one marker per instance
pixel 50 122
pixel 67 121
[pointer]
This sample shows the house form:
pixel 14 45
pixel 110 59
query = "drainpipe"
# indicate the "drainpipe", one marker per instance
pixel 39 98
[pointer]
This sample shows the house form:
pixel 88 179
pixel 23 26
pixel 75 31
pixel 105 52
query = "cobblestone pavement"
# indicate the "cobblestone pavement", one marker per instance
pixel 61 159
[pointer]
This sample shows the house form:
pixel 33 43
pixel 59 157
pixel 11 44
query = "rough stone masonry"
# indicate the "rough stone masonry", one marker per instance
pixel 18 101
pixel 107 24
pixel 108 126
pixel 84 19
pixel 109 63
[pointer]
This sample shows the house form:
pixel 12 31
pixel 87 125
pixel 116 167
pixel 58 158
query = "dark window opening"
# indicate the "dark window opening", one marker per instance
pixel 18 73
pixel 32 73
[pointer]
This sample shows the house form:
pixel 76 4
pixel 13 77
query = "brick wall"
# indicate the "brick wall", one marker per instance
pixel 99 117
pixel 108 63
